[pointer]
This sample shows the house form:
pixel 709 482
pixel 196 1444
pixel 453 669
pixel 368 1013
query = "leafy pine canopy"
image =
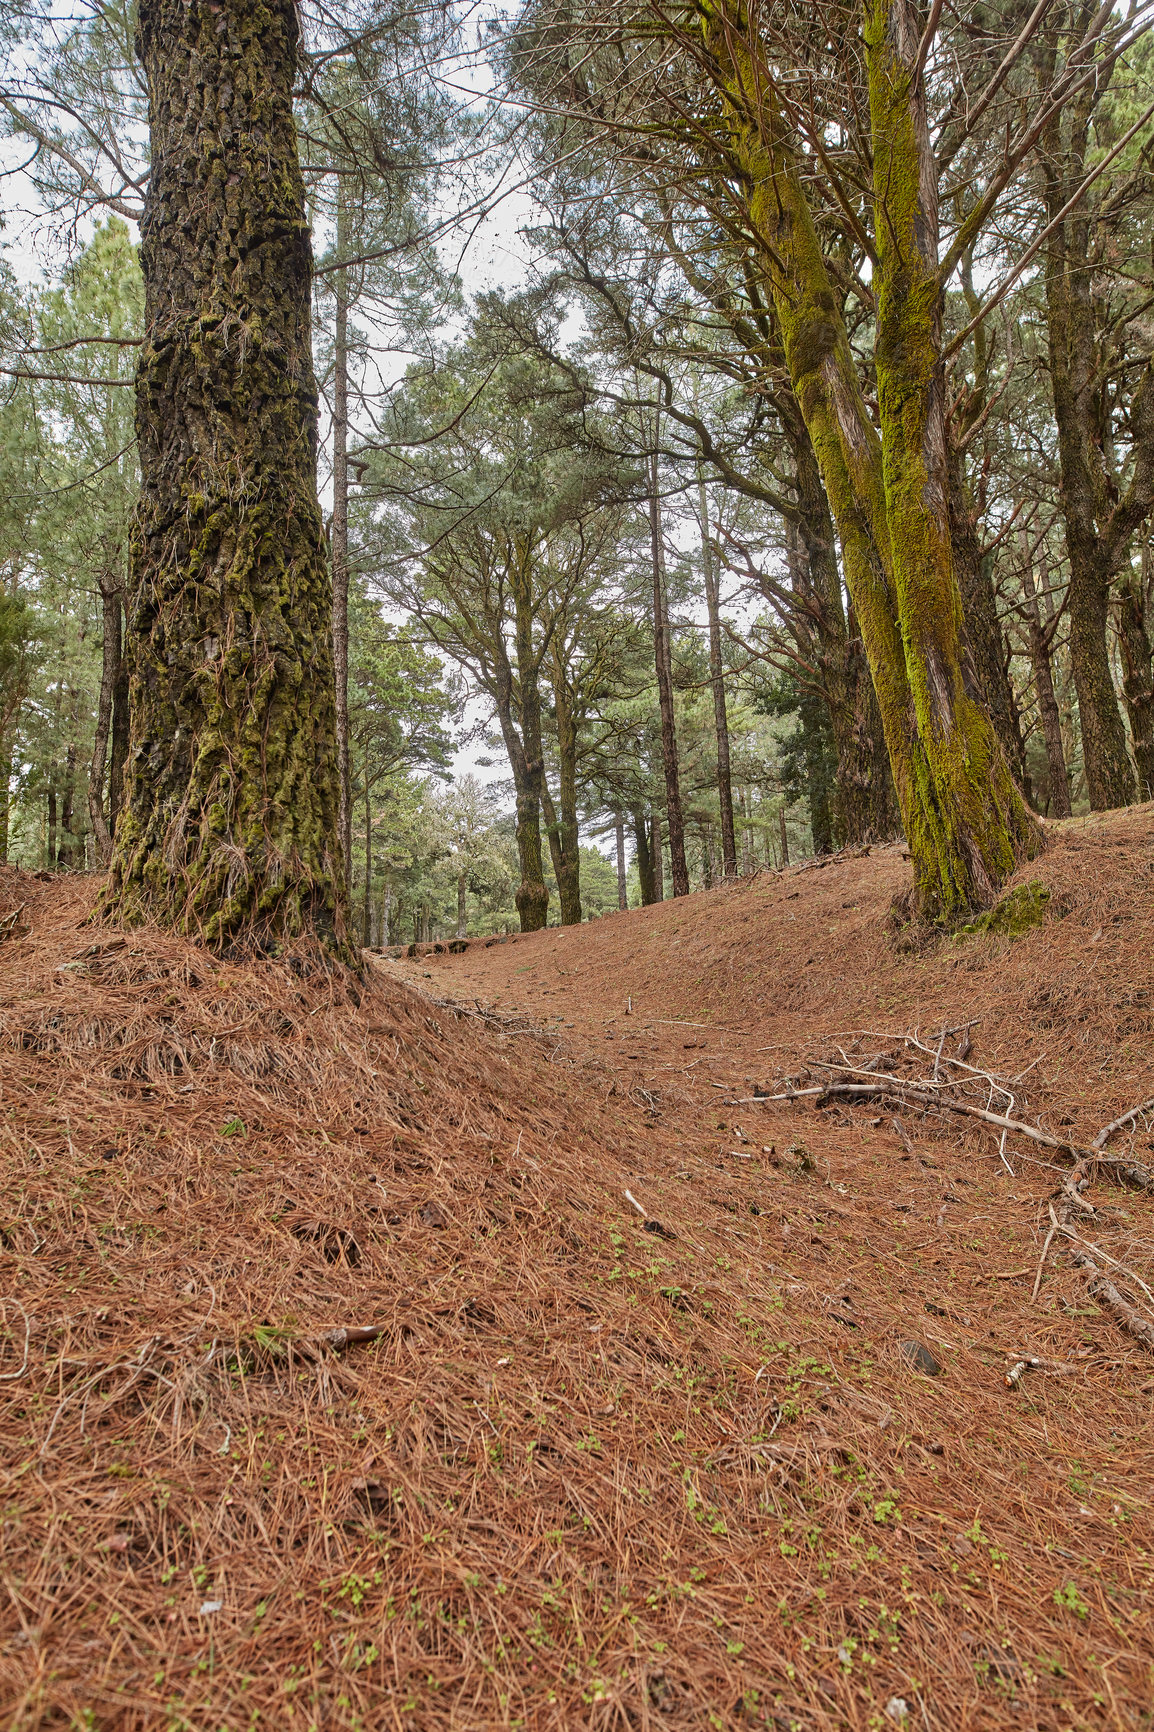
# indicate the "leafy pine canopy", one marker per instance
pixel 918 597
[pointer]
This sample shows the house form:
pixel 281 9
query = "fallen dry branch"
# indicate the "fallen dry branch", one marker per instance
pixel 1104 1293
pixel 1107 1131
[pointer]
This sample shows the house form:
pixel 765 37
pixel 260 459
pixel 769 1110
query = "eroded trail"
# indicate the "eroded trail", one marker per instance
pixel 686 1408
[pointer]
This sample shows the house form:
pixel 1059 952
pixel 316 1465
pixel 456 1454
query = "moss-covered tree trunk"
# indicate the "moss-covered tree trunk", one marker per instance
pixel 229 826
pixel 966 823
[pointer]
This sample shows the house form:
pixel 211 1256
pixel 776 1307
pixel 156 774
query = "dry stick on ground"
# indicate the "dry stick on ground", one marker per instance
pixel 1107 1131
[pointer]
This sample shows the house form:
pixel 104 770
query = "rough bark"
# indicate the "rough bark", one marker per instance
pixel 1099 520
pixel 340 542
pixel 5 797
pixel 644 860
pixel 865 806
pixel 229 827
pixel 717 681
pixel 967 825
pixel 109 674
pixel 663 658
pixel 985 663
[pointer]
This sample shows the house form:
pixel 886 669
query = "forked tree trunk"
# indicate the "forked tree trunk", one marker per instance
pixel 229 828
pixel 967 825
pixel 717 680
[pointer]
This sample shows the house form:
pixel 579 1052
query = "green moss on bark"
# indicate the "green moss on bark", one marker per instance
pixel 230 824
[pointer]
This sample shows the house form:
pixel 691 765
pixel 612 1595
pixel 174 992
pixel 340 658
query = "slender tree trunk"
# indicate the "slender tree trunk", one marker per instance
pixel 67 855
pixel 622 885
pixel 109 674
pixel 1077 385
pixel 864 804
pixel 717 680
pixel 367 907
pixel 1044 685
pixel 784 837
pixel 386 913
pixel 462 906
pixel 5 797
pixel 340 536
pixel 230 823
pixel 118 756
pixel 966 823
pixel 985 662
pixel 706 861
pixel 564 838
pixel 657 854
pixel 662 651
pixel 1138 673
pixel 644 859
pixel 532 897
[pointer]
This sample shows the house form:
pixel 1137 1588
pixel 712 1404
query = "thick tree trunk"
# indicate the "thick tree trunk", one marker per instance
pixel 1138 674
pixel 717 681
pixel 1044 686
pixel 619 832
pixel 340 541
pixel 230 823
pixel 966 823
pixel 988 669
pixel 109 673
pixel 644 860
pixel 663 657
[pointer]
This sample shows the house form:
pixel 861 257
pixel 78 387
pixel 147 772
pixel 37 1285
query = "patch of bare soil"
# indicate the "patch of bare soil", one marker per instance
pixel 681 1406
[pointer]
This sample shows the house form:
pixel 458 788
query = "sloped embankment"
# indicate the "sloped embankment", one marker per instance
pixel 600 1466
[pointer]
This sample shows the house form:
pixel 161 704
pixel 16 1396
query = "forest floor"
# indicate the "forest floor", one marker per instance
pixel 684 1407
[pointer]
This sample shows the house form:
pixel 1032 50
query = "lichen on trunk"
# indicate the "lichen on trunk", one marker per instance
pixel 966 823
pixel 229 823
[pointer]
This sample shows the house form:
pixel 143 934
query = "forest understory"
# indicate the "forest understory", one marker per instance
pixel 673 1405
